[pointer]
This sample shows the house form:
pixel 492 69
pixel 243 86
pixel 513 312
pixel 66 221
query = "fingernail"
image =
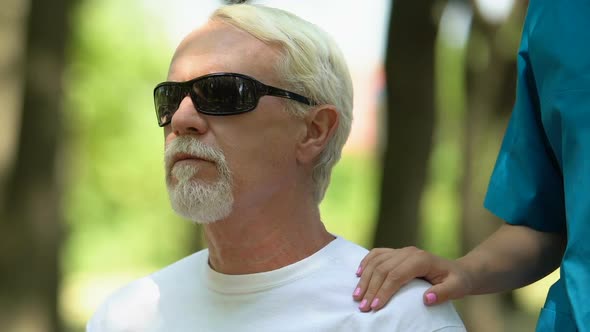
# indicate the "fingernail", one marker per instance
pixel 359 271
pixel 357 291
pixel 430 298
pixel 363 304
pixel 375 303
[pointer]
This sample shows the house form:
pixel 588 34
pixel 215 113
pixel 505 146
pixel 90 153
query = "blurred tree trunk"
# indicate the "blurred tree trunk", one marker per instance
pixel 12 18
pixel 30 219
pixel 409 68
pixel 490 70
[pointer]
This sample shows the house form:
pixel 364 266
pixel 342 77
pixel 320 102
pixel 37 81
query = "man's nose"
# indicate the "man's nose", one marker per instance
pixel 187 121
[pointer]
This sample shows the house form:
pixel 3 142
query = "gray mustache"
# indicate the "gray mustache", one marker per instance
pixel 194 147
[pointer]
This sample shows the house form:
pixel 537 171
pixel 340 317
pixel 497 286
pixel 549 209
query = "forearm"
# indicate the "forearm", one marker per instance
pixel 512 257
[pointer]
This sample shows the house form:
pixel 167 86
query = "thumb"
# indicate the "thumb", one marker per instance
pixel 440 293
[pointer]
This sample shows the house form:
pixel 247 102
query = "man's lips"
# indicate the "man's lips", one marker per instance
pixel 185 156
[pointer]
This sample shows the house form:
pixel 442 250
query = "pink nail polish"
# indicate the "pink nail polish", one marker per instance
pixel 375 303
pixel 357 291
pixel 363 304
pixel 359 271
pixel 430 298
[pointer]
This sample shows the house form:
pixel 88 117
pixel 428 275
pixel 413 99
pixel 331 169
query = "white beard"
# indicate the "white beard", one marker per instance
pixel 190 197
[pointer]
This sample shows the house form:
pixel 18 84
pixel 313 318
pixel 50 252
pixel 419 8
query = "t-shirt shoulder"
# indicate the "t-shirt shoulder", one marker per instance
pixel 407 312
pixel 131 308
pixel 352 258
pixel 134 306
pixel 404 312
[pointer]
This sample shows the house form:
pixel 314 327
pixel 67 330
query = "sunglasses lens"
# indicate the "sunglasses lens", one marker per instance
pixel 167 98
pixel 224 95
pixel 215 95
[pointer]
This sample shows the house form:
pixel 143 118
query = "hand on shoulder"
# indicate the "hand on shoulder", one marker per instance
pixel 384 271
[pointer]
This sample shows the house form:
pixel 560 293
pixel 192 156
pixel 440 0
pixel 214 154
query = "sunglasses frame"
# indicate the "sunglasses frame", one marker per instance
pixel 260 90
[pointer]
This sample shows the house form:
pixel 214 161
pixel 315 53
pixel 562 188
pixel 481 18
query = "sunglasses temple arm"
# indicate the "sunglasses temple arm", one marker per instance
pixel 272 91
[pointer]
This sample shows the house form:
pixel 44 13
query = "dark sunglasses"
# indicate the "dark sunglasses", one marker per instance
pixel 216 94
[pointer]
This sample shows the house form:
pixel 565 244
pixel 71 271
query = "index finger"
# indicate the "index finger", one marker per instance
pixel 371 256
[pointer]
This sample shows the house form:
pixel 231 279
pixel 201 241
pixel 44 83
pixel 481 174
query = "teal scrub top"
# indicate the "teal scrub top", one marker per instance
pixel 542 174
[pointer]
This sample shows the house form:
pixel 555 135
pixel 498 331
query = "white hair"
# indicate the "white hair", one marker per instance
pixel 311 65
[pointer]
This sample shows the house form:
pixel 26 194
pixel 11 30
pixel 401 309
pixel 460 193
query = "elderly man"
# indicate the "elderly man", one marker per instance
pixel 256 109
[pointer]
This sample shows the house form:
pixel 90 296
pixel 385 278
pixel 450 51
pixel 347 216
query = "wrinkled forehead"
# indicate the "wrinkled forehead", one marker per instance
pixel 220 47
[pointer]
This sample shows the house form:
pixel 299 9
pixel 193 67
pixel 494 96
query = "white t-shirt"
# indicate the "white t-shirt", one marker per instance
pixel 310 295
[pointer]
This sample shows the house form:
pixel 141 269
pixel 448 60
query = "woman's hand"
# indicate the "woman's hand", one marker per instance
pixel 384 271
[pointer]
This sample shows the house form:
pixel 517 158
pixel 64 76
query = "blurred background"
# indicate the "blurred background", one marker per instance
pixel 83 205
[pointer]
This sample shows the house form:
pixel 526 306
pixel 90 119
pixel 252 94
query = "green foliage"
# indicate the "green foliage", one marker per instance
pixel 441 202
pixel 350 204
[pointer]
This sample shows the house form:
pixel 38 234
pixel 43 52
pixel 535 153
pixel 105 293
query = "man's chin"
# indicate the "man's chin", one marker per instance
pixel 199 217
pixel 172 182
pixel 199 201
pixel 201 209
pixel 204 221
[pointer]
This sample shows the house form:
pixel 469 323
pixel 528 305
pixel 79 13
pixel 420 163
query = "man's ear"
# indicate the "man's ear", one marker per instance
pixel 321 123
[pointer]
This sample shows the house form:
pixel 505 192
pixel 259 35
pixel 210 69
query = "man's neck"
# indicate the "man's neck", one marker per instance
pixel 265 240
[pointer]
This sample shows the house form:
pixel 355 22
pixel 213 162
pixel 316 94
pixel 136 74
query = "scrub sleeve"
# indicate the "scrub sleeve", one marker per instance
pixel 542 175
